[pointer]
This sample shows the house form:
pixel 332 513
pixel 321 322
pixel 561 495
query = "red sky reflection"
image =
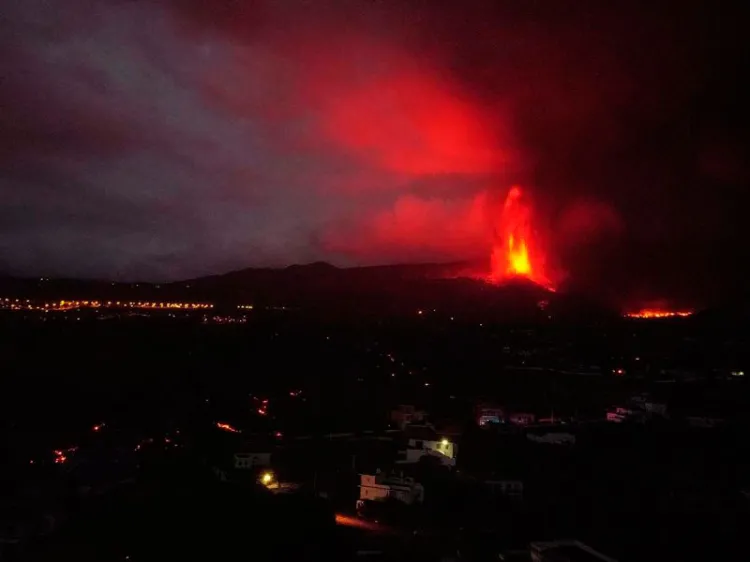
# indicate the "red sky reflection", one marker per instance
pixel 412 125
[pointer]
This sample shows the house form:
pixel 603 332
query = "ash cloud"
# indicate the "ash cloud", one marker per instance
pixel 164 139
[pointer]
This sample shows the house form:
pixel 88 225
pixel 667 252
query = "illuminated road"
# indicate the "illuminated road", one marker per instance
pixel 356 523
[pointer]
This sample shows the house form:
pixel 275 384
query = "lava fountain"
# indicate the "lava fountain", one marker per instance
pixel 514 254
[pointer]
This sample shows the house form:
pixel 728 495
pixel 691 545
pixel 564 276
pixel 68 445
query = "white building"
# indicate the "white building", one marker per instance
pixel 379 487
pixel 248 461
pixel 422 441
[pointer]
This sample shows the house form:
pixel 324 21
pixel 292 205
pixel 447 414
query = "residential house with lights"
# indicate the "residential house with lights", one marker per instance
pixel 422 441
pixel 381 487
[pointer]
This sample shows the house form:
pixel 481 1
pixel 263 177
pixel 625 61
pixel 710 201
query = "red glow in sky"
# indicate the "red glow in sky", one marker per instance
pixel 515 252
pixel 410 124
pixel 269 133
pixel 420 227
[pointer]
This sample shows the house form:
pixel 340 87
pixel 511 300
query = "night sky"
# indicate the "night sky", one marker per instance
pixel 162 140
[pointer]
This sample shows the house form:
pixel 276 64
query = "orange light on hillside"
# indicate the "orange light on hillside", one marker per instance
pixel 651 313
pixel 226 427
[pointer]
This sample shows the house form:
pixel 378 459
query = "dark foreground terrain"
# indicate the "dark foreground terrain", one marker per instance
pixel 120 426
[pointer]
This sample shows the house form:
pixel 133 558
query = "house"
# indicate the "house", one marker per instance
pixel 644 402
pixel 704 421
pixel 422 441
pixel 620 414
pixel 249 461
pixel 510 488
pixel 380 487
pixel 254 452
pixel 487 414
pixel 521 418
pixel 553 438
pixel 406 414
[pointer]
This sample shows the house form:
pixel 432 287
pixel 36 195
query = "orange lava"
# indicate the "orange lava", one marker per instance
pixel 518 258
pixel 650 313
pixel 226 427
pixel 514 254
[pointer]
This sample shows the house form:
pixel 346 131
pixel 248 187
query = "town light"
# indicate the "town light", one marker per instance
pixel 266 478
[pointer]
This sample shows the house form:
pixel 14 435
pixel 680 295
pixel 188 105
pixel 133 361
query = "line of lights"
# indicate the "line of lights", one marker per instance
pixel 224 320
pixel 56 306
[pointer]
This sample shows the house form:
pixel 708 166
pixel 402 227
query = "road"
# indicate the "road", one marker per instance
pixel 357 523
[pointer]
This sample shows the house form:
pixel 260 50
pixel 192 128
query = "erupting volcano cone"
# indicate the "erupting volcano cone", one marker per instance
pixel 514 254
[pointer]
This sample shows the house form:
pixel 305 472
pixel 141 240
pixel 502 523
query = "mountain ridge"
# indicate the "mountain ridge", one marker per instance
pixel 397 289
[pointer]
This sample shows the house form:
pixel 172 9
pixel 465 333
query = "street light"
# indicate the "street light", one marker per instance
pixel 266 478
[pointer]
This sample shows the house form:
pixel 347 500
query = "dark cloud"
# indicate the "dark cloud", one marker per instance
pixel 166 139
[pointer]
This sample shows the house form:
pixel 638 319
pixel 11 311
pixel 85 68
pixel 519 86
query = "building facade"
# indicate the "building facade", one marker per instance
pixel 249 461
pixel 443 450
pixel 380 487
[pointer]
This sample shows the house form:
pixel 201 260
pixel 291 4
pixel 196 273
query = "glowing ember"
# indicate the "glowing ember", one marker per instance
pixel 62 455
pixel 649 313
pixel 513 254
pixel 227 427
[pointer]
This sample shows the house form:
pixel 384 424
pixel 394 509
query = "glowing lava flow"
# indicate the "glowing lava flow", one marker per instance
pixel 513 254
pixel 651 313
pixel 226 427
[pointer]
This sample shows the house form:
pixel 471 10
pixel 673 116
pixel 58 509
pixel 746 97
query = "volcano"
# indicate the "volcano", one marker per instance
pixel 516 252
